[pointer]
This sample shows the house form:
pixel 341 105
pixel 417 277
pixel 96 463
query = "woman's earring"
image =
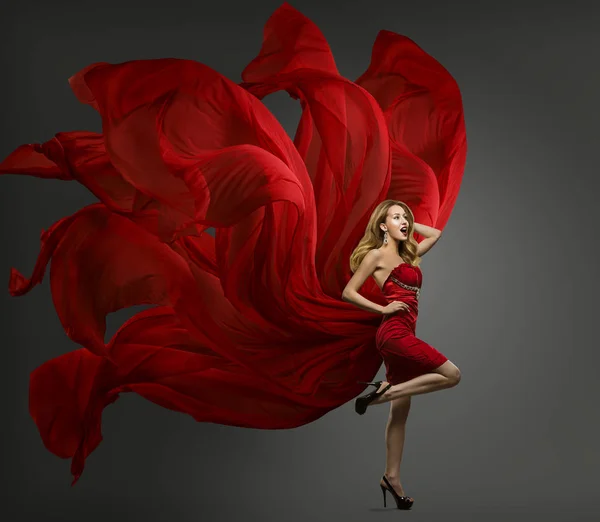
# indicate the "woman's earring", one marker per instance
pixel 385 237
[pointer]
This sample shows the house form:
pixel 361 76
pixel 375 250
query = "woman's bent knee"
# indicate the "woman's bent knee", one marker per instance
pixel 450 371
pixel 454 376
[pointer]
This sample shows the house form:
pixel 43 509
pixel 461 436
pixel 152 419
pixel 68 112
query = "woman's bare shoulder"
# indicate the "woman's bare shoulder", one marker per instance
pixel 374 255
pixel 372 260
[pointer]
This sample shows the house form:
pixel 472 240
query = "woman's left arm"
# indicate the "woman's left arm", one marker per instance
pixel 431 237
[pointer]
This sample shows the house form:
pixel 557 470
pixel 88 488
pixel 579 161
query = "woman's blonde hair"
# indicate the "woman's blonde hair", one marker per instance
pixel 373 237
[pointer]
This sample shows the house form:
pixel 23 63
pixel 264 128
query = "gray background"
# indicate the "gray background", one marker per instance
pixel 510 291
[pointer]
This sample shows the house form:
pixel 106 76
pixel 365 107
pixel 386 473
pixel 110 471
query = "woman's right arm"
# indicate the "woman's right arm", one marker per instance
pixel 365 270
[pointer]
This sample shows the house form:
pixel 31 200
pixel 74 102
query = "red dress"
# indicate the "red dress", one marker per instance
pixel 405 356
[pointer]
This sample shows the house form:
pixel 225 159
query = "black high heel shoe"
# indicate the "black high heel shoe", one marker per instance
pixel 361 403
pixel 401 502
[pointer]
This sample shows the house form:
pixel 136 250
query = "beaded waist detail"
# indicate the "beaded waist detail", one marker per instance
pixel 415 289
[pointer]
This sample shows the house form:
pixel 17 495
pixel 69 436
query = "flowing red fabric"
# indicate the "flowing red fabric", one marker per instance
pixel 248 327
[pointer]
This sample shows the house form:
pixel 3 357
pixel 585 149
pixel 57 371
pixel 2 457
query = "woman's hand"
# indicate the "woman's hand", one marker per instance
pixel 394 307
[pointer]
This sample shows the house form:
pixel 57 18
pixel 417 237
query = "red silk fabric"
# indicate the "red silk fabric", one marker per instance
pixel 249 328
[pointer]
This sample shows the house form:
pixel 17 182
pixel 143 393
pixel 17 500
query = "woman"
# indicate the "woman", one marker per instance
pixel 389 253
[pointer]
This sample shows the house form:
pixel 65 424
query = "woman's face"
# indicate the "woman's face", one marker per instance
pixel 397 223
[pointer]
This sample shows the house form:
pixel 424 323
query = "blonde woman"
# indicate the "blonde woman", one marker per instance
pixel 389 253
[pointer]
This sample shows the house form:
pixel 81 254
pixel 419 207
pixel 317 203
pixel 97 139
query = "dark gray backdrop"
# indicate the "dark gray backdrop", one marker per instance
pixel 510 291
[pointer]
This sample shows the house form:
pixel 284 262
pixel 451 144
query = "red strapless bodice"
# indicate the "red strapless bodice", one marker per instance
pixel 402 322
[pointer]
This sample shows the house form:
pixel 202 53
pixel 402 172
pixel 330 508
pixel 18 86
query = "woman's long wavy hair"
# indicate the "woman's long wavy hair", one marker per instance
pixel 373 237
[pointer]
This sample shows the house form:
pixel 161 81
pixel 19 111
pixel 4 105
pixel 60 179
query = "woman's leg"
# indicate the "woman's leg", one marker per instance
pixel 445 376
pixel 394 441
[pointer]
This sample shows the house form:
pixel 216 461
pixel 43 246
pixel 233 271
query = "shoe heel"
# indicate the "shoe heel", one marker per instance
pixel 383 492
pixel 377 384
